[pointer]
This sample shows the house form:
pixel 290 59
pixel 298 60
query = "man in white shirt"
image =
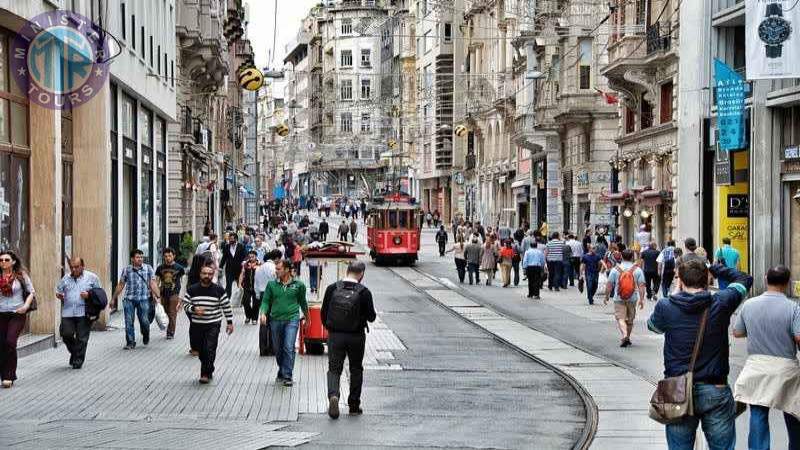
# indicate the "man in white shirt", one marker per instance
pixel 643 238
pixel 575 259
pixel 266 272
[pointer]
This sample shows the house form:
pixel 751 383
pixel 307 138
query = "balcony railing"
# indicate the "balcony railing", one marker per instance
pixel 659 37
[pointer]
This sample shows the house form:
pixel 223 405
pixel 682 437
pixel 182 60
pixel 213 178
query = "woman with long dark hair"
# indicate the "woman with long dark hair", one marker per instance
pixel 16 296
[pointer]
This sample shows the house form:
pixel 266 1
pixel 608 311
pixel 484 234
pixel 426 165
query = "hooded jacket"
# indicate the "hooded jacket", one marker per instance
pixel 678 318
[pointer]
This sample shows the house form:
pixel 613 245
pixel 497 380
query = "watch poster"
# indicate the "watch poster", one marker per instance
pixel 772 45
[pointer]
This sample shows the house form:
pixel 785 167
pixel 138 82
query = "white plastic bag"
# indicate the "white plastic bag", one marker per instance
pixel 161 317
pixel 236 298
pixel 602 280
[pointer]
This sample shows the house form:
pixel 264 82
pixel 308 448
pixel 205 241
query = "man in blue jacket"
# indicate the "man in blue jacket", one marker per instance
pixel 678 318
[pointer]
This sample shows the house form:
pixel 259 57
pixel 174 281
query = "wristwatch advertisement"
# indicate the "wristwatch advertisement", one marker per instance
pixel 772 40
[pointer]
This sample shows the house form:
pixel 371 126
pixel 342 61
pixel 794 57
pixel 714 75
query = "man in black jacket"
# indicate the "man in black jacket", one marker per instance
pixel 346 309
pixel 233 256
pixel 324 228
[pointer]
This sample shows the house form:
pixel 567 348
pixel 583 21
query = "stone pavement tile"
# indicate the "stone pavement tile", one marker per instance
pixel 615 443
pixel 451 298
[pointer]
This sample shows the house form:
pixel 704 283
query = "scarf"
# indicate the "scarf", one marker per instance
pixel 7 284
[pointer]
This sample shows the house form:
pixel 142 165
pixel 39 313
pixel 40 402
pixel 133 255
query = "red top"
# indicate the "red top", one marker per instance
pixel 506 252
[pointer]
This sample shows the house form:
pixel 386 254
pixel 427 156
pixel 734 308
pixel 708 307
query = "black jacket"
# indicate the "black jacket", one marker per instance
pixel 323 228
pixel 367 308
pixel 96 303
pixel 232 264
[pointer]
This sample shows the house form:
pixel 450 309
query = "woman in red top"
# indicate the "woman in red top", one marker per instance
pixel 506 258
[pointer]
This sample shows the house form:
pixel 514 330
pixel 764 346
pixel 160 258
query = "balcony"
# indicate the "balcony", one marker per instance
pixel 659 37
pixel 199 31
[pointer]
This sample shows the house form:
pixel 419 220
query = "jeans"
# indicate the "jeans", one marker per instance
pixel 284 336
pixel 473 269
pixel 75 334
pixel 352 346
pixel 591 286
pixel 566 274
pixel 461 268
pixel 515 266
pixel 714 407
pixel 554 278
pixel 666 283
pixel 206 336
pixel 140 308
pixel 651 283
pixel 11 325
pixel 314 273
pixel 534 274
pixel 759 429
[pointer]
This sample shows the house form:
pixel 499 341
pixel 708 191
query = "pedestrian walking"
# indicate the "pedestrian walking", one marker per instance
pixel 343 230
pixel 206 302
pixel 587 240
pixel 283 299
pixel 516 260
pixel 429 219
pixel 460 260
pixel 554 253
pixel 73 291
pixel 643 238
pixel 534 265
pixel 771 324
pixel 233 255
pixel 489 261
pixel 472 254
pixel 649 257
pixel 506 255
pixel 324 228
pixel 667 262
pixel 353 228
pixel 566 266
pixel 576 253
pixel 590 269
pixel 527 241
pixel 347 307
pixel 168 278
pixel 251 303
pixel 441 239
pixel 16 299
pixel 626 282
pixel 728 256
pixel 679 319
pixel 261 248
pixel 139 282
pixel 314 270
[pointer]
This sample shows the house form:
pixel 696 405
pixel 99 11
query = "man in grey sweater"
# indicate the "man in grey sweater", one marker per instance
pixel 472 253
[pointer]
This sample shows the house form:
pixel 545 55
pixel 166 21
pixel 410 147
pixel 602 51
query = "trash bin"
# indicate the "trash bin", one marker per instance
pixel 313 342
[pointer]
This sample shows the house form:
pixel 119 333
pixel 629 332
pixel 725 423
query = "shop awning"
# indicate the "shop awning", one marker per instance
pixel 654 198
pixel 520 183
pixel 616 198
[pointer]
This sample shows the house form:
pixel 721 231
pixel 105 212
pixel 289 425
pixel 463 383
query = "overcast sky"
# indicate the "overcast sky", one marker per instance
pixel 261 27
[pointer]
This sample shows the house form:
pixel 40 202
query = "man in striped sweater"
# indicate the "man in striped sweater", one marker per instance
pixel 206 302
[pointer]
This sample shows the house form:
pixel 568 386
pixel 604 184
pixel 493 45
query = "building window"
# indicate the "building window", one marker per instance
pixel 158 58
pixel 347 90
pixel 128 118
pixel 366 125
pixel 666 102
pixel 585 64
pixel 133 31
pixel 172 72
pixel 142 42
pixel 347 26
pixel 647 114
pixel 347 123
pixel 124 25
pixel 630 121
pixel 423 7
pixel 347 58
pixel 366 89
pixel 448 33
pixel 151 51
pixel 426 42
pixel 365 57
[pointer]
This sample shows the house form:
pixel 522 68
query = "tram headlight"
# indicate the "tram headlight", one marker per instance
pixel 397 240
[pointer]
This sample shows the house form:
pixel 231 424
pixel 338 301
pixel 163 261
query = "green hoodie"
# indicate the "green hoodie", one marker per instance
pixel 286 300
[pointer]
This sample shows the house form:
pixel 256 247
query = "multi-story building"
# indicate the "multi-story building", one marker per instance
pixel 251 187
pixel 643 68
pixel 440 51
pixel 202 65
pixel 298 103
pixel 270 152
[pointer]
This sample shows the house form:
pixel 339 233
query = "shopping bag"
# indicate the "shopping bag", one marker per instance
pixel 236 298
pixel 602 280
pixel 265 347
pixel 161 317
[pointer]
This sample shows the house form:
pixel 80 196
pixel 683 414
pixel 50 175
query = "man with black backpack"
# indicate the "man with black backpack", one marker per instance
pixel 346 309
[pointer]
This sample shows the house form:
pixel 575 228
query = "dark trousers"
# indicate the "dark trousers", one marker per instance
pixel 229 279
pixel 575 270
pixel 171 303
pixel 461 268
pixel 651 283
pixel 473 268
pixel 666 283
pixel 533 273
pixel 75 334
pixel 515 266
pixel 11 325
pixel 591 286
pixel 554 278
pixel 251 304
pixel 323 237
pixel 350 345
pixel 206 336
pixel 441 248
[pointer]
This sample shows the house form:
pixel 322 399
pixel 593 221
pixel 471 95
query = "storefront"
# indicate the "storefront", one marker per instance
pixel 790 192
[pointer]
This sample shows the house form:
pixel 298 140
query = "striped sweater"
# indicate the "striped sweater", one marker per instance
pixel 212 298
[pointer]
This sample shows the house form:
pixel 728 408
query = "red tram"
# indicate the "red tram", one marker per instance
pixel 393 228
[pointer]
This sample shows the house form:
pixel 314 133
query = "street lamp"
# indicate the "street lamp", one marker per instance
pixel 644 214
pixel 627 213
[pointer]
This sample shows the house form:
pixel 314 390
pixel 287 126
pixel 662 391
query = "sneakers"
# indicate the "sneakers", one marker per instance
pixel 247 321
pixel 333 407
pixel 356 411
pixel 203 379
pixel 145 340
pixel 129 346
pixel 194 353
pixel 625 342
pixel 288 382
pixel 170 336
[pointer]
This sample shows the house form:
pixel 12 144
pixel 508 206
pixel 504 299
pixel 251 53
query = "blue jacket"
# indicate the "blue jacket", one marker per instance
pixel 678 318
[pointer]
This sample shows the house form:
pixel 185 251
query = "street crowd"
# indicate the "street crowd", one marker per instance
pixel 264 262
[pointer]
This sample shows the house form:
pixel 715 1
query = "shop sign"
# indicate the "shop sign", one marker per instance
pixel 582 179
pixel 738 205
pixel 730 87
pixel 723 167
pixel 792 152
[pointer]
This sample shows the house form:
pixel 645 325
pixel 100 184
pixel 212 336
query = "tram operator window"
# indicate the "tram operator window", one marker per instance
pixel 403 219
pixel 392 219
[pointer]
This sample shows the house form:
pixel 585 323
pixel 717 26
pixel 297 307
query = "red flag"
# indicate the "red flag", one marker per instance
pixel 609 98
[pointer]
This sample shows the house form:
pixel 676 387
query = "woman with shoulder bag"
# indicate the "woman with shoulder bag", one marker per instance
pixel 16 300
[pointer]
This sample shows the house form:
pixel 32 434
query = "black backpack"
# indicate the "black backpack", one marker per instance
pixel 344 313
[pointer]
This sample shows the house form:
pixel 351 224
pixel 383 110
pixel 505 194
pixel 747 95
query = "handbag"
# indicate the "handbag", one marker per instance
pixel 25 293
pixel 672 400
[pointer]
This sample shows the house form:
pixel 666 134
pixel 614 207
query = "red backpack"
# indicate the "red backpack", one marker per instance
pixel 626 286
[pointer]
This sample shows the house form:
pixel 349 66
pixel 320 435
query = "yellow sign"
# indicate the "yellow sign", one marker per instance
pixel 734 221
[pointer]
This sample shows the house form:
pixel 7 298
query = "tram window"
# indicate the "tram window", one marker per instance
pixel 403 219
pixel 377 219
pixel 392 219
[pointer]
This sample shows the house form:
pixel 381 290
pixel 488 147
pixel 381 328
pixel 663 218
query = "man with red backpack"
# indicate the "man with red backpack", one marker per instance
pixel 626 281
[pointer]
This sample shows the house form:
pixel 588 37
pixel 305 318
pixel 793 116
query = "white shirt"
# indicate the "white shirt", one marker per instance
pixel 643 237
pixel 264 274
pixel 576 247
